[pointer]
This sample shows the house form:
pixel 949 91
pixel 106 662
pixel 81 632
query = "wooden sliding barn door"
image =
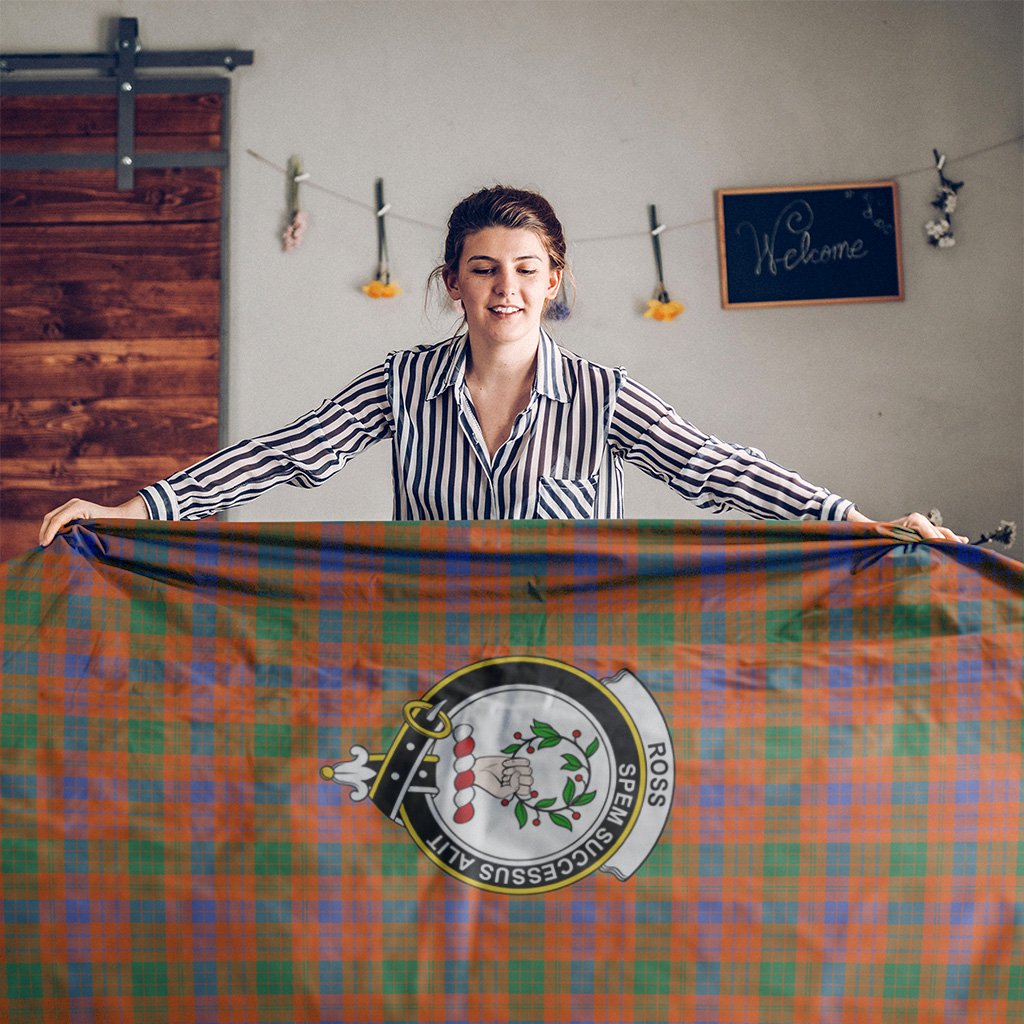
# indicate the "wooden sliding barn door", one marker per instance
pixel 110 311
pixel 112 216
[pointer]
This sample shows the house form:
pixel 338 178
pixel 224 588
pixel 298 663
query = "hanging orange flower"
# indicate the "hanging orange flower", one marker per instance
pixel 661 307
pixel 381 287
pixel 658 310
pixel 381 290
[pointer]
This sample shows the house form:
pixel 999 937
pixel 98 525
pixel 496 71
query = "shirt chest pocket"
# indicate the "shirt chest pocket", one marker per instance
pixel 566 497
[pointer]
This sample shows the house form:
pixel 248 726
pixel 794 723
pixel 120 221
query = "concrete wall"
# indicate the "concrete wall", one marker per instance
pixel 606 107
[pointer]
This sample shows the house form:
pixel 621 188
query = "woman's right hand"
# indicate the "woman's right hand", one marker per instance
pixel 77 508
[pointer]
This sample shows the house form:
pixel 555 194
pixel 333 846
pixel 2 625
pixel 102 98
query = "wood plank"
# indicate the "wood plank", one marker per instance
pixel 108 144
pixel 54 197
pixel 101 252
pixel 73 428
pixel 84 475
pixel 110 368
pixel 119 309
pixel 33 486
pixel 83 116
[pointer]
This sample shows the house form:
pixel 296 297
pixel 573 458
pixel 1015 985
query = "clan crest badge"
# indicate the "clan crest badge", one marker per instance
pixel 523 775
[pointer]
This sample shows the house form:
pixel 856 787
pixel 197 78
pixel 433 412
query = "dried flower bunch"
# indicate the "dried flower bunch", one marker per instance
pixel 381 287
pixel 298 218
pixel 940 230
pixel 660 307
pixel 1005 533
pixel 558 308
pixel 292 236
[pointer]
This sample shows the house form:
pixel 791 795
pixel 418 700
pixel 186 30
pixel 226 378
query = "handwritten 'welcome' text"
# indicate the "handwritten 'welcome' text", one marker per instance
pixel 796 221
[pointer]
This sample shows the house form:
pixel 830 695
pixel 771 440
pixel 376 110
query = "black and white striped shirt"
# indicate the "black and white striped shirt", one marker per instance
pixel 562 460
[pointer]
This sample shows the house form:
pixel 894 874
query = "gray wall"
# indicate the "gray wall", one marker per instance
pixel 606 107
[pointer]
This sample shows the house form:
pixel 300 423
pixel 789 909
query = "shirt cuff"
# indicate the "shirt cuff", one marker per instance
pixel 161 502
pixel 836 509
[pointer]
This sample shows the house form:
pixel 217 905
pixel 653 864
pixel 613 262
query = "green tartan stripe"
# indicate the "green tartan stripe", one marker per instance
pixel 857 743
pixel 898 859
pixel 273 625
pixel 269 738
pixel 281 739
pixel 897 980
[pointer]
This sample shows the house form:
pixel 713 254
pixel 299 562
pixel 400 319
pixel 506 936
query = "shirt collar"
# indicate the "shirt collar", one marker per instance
pixel 550 379
pixel 551 376
pixel 451 370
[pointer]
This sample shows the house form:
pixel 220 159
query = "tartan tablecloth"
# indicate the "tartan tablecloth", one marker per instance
pixel 496 772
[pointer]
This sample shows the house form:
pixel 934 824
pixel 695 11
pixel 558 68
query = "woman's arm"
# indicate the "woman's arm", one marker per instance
pixel 717 475
pixel 712 473
pixel 305 453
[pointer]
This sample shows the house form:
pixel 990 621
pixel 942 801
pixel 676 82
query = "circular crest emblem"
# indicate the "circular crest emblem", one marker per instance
pixel 522 775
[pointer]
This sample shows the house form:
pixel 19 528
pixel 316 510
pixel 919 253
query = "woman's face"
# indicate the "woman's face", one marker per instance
pixel 504 280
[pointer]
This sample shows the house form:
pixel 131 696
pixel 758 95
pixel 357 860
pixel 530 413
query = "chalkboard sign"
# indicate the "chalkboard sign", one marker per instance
pixel 814 244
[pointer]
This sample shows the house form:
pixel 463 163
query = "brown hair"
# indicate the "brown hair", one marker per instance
pixel 500 207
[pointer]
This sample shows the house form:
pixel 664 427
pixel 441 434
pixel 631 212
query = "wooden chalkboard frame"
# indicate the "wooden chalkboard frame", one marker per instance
pixel 879 281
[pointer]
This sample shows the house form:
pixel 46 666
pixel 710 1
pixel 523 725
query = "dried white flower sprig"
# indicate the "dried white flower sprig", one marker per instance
pixel 940 230
pixel 1004 534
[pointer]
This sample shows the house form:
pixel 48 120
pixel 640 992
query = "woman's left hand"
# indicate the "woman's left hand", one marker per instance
pixel 914 521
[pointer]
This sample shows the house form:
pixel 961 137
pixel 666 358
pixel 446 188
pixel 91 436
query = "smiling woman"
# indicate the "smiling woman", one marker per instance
pixel 496 422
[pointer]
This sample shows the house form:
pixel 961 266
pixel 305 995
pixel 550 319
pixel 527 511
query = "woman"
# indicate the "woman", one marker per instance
pixel 498 422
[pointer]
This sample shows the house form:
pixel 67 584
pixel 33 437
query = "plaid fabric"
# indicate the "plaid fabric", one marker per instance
pixel 844 714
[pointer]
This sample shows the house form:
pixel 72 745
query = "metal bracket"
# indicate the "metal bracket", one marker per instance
pixel 123 65
pixel 128 46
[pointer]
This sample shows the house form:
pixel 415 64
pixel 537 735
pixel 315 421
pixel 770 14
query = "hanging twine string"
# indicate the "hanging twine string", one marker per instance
pixel 310 183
